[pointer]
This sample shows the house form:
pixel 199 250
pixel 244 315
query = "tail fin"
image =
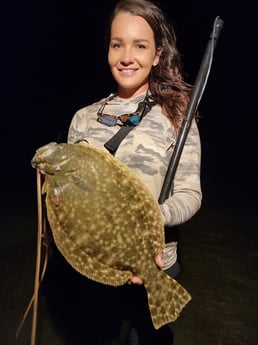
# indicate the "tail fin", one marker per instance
pixel 166 299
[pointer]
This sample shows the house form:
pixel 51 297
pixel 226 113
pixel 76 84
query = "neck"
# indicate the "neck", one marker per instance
pixel 129 93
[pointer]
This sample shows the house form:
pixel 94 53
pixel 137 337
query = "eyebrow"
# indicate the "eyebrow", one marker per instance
pixel 137 40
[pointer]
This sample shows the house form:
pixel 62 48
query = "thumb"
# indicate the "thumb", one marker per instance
pixel 159 260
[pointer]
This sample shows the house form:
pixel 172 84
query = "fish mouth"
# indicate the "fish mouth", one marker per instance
pixel 49 158
pixel 35 162
pixel 48 168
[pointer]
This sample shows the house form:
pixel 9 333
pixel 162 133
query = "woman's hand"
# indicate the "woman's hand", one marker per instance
pixel 137 280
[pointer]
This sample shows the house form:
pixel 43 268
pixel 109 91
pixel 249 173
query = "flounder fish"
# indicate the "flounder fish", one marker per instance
pixel 106 223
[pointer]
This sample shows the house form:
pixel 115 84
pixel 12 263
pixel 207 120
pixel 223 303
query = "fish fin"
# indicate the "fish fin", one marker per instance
pixel 166 299
pixel 91 267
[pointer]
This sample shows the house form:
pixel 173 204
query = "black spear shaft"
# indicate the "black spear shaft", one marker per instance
pixel 194 101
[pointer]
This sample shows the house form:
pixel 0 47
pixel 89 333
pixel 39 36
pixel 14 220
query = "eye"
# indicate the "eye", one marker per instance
pixel 140 46
pixel 115 45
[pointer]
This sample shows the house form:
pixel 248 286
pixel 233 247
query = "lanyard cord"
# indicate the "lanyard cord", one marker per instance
pixel 112 144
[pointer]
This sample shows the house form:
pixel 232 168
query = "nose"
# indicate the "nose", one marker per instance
pixel 127 56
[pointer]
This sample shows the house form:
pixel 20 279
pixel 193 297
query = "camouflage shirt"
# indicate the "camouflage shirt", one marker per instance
pixel 147 150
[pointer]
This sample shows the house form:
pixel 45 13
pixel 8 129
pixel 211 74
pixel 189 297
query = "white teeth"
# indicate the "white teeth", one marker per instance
pixel 127 71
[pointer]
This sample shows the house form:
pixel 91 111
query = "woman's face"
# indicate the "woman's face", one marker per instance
pixel 132 53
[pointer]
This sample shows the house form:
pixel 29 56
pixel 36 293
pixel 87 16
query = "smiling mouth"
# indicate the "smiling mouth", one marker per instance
pixel 127 72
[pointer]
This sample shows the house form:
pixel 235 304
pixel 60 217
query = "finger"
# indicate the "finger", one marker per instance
pixel 159 260
pixel 135 280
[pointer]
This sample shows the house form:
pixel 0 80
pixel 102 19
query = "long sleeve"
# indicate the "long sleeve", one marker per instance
pixel 186 196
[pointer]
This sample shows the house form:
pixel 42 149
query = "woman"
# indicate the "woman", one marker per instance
pixel 145 64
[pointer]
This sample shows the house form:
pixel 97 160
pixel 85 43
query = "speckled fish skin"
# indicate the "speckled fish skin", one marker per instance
pixel 106 223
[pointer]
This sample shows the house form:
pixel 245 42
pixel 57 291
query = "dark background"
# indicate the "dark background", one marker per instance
pixel 53 62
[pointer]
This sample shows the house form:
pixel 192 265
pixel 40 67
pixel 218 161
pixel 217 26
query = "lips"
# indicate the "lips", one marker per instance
pixel 127 72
